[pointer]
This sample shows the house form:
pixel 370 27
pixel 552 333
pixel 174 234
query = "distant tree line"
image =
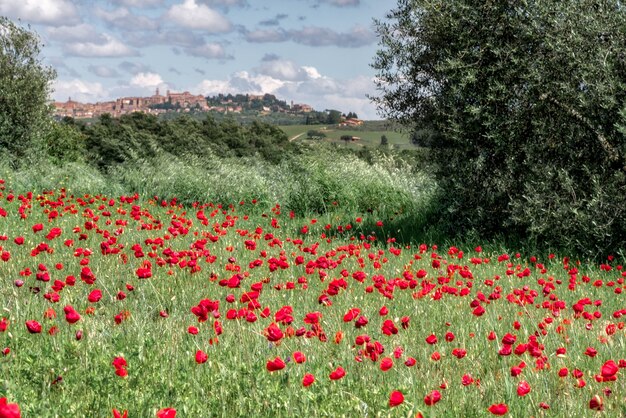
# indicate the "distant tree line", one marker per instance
pixel 139 136
pixel 248 102
pixel 329 117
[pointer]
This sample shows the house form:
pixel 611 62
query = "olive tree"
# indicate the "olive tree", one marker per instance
pixel 24 90
pixel 526 103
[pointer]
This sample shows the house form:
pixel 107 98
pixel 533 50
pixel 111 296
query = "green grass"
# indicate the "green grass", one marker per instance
pixel 234 381
pixel 369 137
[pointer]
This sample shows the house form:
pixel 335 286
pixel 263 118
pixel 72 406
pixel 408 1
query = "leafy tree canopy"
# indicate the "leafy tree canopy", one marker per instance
pixel 24 90
pixel 526 104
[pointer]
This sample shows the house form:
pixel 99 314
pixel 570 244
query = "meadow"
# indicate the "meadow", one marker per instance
pixel 369 136
pixel 114 303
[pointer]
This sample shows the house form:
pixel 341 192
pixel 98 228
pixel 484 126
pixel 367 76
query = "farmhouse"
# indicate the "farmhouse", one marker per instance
pixel 351 122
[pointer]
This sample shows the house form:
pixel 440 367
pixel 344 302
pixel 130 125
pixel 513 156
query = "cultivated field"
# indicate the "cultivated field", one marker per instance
pixel 125 303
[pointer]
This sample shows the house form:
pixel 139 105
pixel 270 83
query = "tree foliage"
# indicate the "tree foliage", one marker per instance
pixel 525 102
pixel 140 137
pixel 24 90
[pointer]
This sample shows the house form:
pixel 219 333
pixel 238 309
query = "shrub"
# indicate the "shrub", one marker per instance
pixel 526 104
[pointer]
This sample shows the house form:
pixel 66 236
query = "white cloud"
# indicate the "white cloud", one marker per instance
pixel 285 70
pixel 103 71
pixel 79 90
pixel 139 3
pixel 74 33
pixel 134 67
pixel 47 12
pixel 208 50
pixel 240 82
pixel 267 35
pixel 224 3
pixel 198 16
pixel 147 80
pixel 111 47
pixel 302 84
pixel 124 19
pixel 358 36
pixel 342 3
pixel 210 87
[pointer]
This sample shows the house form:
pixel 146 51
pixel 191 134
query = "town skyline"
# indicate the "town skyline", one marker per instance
pixel 172 102
pixel 310 51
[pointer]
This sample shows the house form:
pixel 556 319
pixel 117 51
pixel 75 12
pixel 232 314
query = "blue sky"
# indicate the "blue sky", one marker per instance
pixel 310 51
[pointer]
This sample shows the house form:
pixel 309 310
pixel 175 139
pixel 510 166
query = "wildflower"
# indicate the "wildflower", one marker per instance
pixel 396 398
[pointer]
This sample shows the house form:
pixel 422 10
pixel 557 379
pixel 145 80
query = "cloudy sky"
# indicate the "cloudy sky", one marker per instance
pixel 310 51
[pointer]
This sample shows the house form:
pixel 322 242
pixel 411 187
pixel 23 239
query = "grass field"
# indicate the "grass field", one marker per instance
pixel 130 304
pixel 368 138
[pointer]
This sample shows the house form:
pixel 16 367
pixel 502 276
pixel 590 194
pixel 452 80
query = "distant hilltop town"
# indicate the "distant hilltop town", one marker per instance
pixel 178 102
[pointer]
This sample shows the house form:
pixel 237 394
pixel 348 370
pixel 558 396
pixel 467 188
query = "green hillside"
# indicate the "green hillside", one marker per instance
pixel 369 135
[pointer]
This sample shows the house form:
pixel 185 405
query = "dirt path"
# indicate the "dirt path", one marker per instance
pixel 293 138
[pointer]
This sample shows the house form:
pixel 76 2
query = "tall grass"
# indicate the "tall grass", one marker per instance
pixel 317 180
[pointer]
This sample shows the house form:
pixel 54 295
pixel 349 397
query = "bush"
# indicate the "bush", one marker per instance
pixel 525 106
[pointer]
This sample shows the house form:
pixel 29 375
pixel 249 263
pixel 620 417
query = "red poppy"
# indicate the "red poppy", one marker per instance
pixel 33 327
pixel 389 328
pixel 71 316
pixel 312 317
pixel 467 380
pixel 308 380
pixel 596 403
pixel 509 339
pixel 386 364
pixel 396 398
pixel 87 276
pixel 201 357
pixel 498 409
pixel 273 333
pixel 478 311
pixel 166 413
pixel 523 388
pixel 274 365
pixel 338 373
pixel 144 273
pixel 119 362
pixel 117 414
pixel 432 398
pixel 9 410
pixel 609 369
pixel 351 315
pixel 431 339
pixel 405 322
pixel 299 357
pixel 459 352
pixel 361 321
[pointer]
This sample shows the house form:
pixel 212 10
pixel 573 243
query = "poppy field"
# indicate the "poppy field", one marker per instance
pixel 138 306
